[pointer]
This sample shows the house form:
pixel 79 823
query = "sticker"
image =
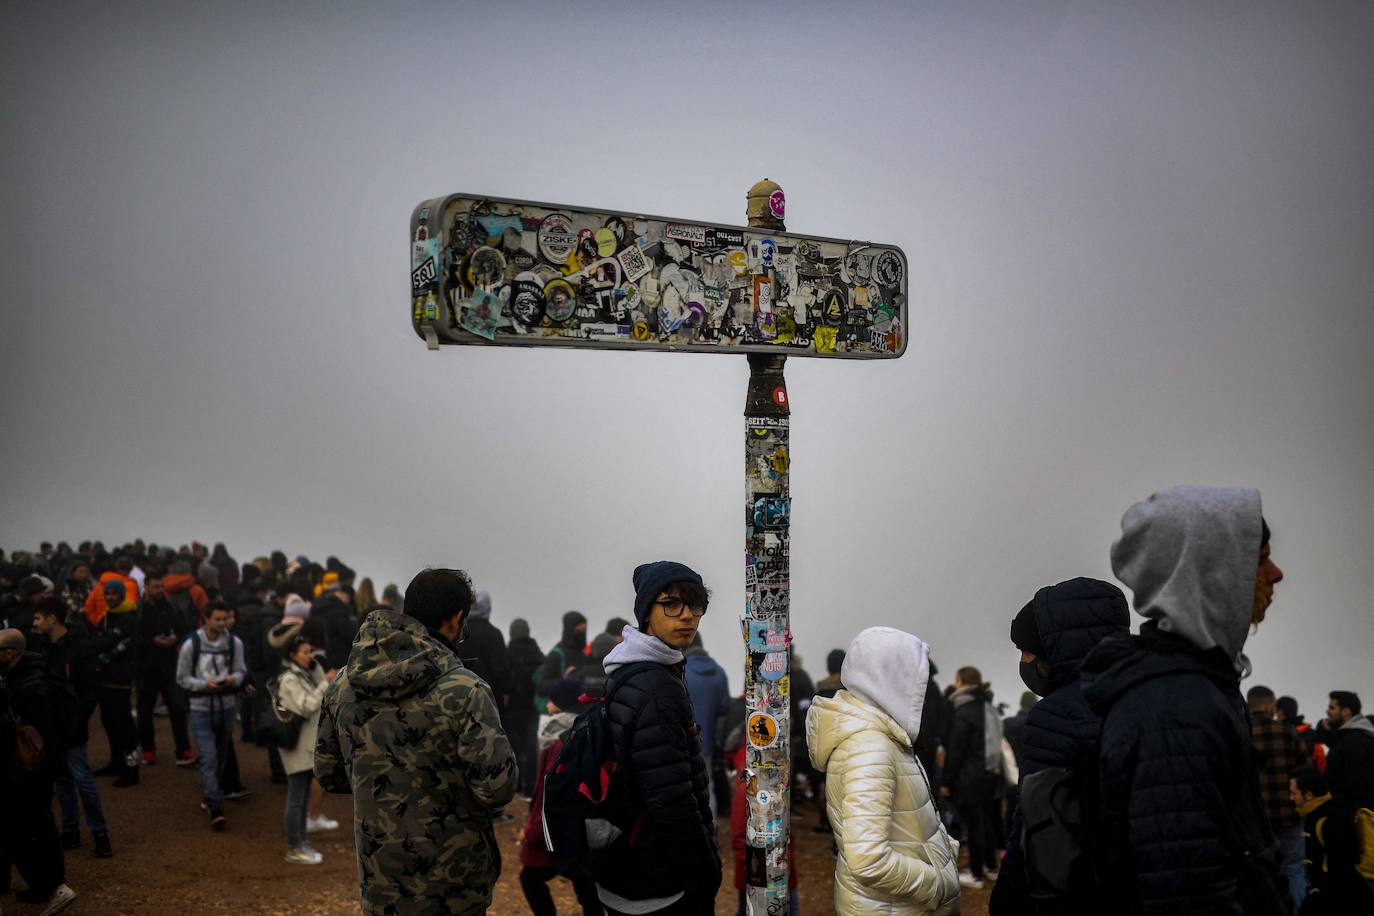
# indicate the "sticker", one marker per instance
pixel 771 512
pixel 763 295
pixel 764 796
pixel 780 398
pixel 494 225
pixel 605 242
pixel 825 339
pixel 527 300
pixel 423 275
pixel 777 204
pixel 522 260
pixel 773 668
pixel 618 229
pixel 486 268
pixel 768 252
pixel 785 686
pixel 739 262
pixel 887 269
pixel 832 307
pixel 556 238
pixel 724 238
pixel 640 331
pixel 779 459
pixel 695 235
pixel 560 300
pixel 481 314
pixel 763 730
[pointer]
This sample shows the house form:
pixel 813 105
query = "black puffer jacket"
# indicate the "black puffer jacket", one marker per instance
pixel 655 740
pixel 1184 830
pixel 1061 730
pixel 965 768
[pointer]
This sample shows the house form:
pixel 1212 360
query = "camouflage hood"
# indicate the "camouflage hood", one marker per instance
pixel 394 656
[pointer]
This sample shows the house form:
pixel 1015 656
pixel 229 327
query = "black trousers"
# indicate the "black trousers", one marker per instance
pixel 117 716
pixel 534 881
pixel 523 732
pixel 980 810
pixel 29 835
pixel 159 676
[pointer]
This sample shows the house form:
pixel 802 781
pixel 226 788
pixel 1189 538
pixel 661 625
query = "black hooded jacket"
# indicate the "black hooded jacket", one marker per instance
pixel 340 626
pixel 1183 826
pixel 571 652
pixel 483 650
pixel 1061 730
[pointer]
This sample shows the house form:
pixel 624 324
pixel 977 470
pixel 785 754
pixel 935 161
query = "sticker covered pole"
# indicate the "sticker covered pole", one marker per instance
pixel 766 627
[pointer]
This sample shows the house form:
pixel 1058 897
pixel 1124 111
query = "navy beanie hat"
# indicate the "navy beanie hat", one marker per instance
pixel 651 578
pixel 1025 635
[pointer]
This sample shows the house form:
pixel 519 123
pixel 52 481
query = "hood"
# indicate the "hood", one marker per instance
pixel 178 582
pixel 394 656
pixel 570 640
pixel 1123 662
pixel 602 646
pixel 832 720
pixel 519 629
pixel 1358 724
pixel 1072 618
pixel 481 605
pixel 1190 556
pixel 555 728
pixel 889 668
pixel 640 647
pixel 701 665
pixel 281 634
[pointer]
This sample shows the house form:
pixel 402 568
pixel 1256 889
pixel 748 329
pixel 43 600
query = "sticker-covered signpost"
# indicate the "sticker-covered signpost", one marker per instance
pixel 494 272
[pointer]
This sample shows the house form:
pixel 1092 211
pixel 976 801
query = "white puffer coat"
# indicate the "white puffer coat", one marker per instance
pixel 302 693
pixel 895 856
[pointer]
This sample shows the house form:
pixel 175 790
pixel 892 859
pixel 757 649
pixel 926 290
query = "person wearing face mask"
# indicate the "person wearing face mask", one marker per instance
pixel 1054 632
pixel 1183 824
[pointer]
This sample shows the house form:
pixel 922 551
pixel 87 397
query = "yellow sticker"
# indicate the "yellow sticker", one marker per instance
pixel 763 730
pixel 825 339
pixel 785 687
pixel 605 242
pixel 640 331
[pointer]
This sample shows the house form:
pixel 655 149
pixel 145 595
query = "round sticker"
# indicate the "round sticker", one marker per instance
pixel 527 300
pixel 764 796
pixel 486 267
pixel 605 242
pixel 774 666
pixel 763 730
pixel 640 331
pixel 780 396
pixel 833 307
pixel 618 229
pixel 560 299
pixel 556 238
pixel 887 269
pixel 777 204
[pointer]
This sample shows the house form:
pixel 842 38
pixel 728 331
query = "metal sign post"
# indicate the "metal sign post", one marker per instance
pixel 494 272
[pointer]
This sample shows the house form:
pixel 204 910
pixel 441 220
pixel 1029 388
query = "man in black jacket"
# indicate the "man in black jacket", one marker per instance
pixel 973 772
pixel 674 865
pixel 28 836
pixel 1055 632
pixel 520 717
pixel 115 641
pixel 1350 761
pixel 67 652
pixel 339 622
pixel 1183 826
pixel 161 628
pixel 569 658
pixel 483 650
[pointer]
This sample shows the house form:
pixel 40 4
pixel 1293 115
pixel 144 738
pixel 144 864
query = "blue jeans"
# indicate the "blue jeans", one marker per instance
pixel 79 780
pixel 297 807
pixel 1294 847
pixel 213 732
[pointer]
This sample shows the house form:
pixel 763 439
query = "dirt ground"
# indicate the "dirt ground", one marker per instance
pixel 167 860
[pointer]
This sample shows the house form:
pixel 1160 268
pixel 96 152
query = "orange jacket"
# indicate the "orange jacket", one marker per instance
pixel 181 582
pixel 95 602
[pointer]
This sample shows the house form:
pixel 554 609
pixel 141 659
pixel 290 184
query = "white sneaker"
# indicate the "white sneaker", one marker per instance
pixel 323 822
pixel 967 880
pixel 60 900
pixel 990 875
pixel 303 855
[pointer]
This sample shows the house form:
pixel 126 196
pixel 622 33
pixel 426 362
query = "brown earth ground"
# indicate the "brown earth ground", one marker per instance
pixel 167 860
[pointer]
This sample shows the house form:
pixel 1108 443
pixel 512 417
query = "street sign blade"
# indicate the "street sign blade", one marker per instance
pixel 490 271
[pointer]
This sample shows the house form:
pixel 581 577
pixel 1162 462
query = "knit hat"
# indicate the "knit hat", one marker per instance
pixel 564 693
pixel 113 586
pixel 519 629
pixel 297 607
pixel 1025 635
pixel 481 605
pixel 651 578
pixel 330 580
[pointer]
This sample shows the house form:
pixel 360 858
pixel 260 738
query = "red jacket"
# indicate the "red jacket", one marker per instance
pixel 532 845
pixel 181 582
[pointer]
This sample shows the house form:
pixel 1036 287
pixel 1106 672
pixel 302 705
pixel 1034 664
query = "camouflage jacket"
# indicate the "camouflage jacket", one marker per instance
pixel 415 737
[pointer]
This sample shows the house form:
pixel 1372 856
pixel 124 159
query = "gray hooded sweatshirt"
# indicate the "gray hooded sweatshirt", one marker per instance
pixel 1190 556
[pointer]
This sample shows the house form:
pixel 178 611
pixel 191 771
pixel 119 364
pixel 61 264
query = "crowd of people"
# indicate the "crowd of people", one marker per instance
pixel 1136 776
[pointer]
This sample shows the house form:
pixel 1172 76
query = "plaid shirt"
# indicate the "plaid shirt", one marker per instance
pixel 1278 752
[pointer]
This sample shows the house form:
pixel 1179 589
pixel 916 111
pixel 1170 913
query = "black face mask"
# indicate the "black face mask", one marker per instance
pixel 1039 684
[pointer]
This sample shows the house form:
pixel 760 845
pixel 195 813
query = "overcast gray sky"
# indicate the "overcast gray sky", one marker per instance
pixel 1140 244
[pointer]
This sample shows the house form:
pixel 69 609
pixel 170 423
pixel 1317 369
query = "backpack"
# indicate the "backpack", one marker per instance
pixel 234 642
pixel 1364 842
pixel 585 808
pixel 275 725
pixel 1057 806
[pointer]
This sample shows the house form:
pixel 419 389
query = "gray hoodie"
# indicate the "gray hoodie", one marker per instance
pixel 1190 556
pixel 640 647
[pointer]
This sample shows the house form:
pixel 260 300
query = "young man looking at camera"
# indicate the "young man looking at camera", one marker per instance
pixel 674 865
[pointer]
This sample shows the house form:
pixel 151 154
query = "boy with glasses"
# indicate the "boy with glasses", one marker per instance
pixel 674 865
